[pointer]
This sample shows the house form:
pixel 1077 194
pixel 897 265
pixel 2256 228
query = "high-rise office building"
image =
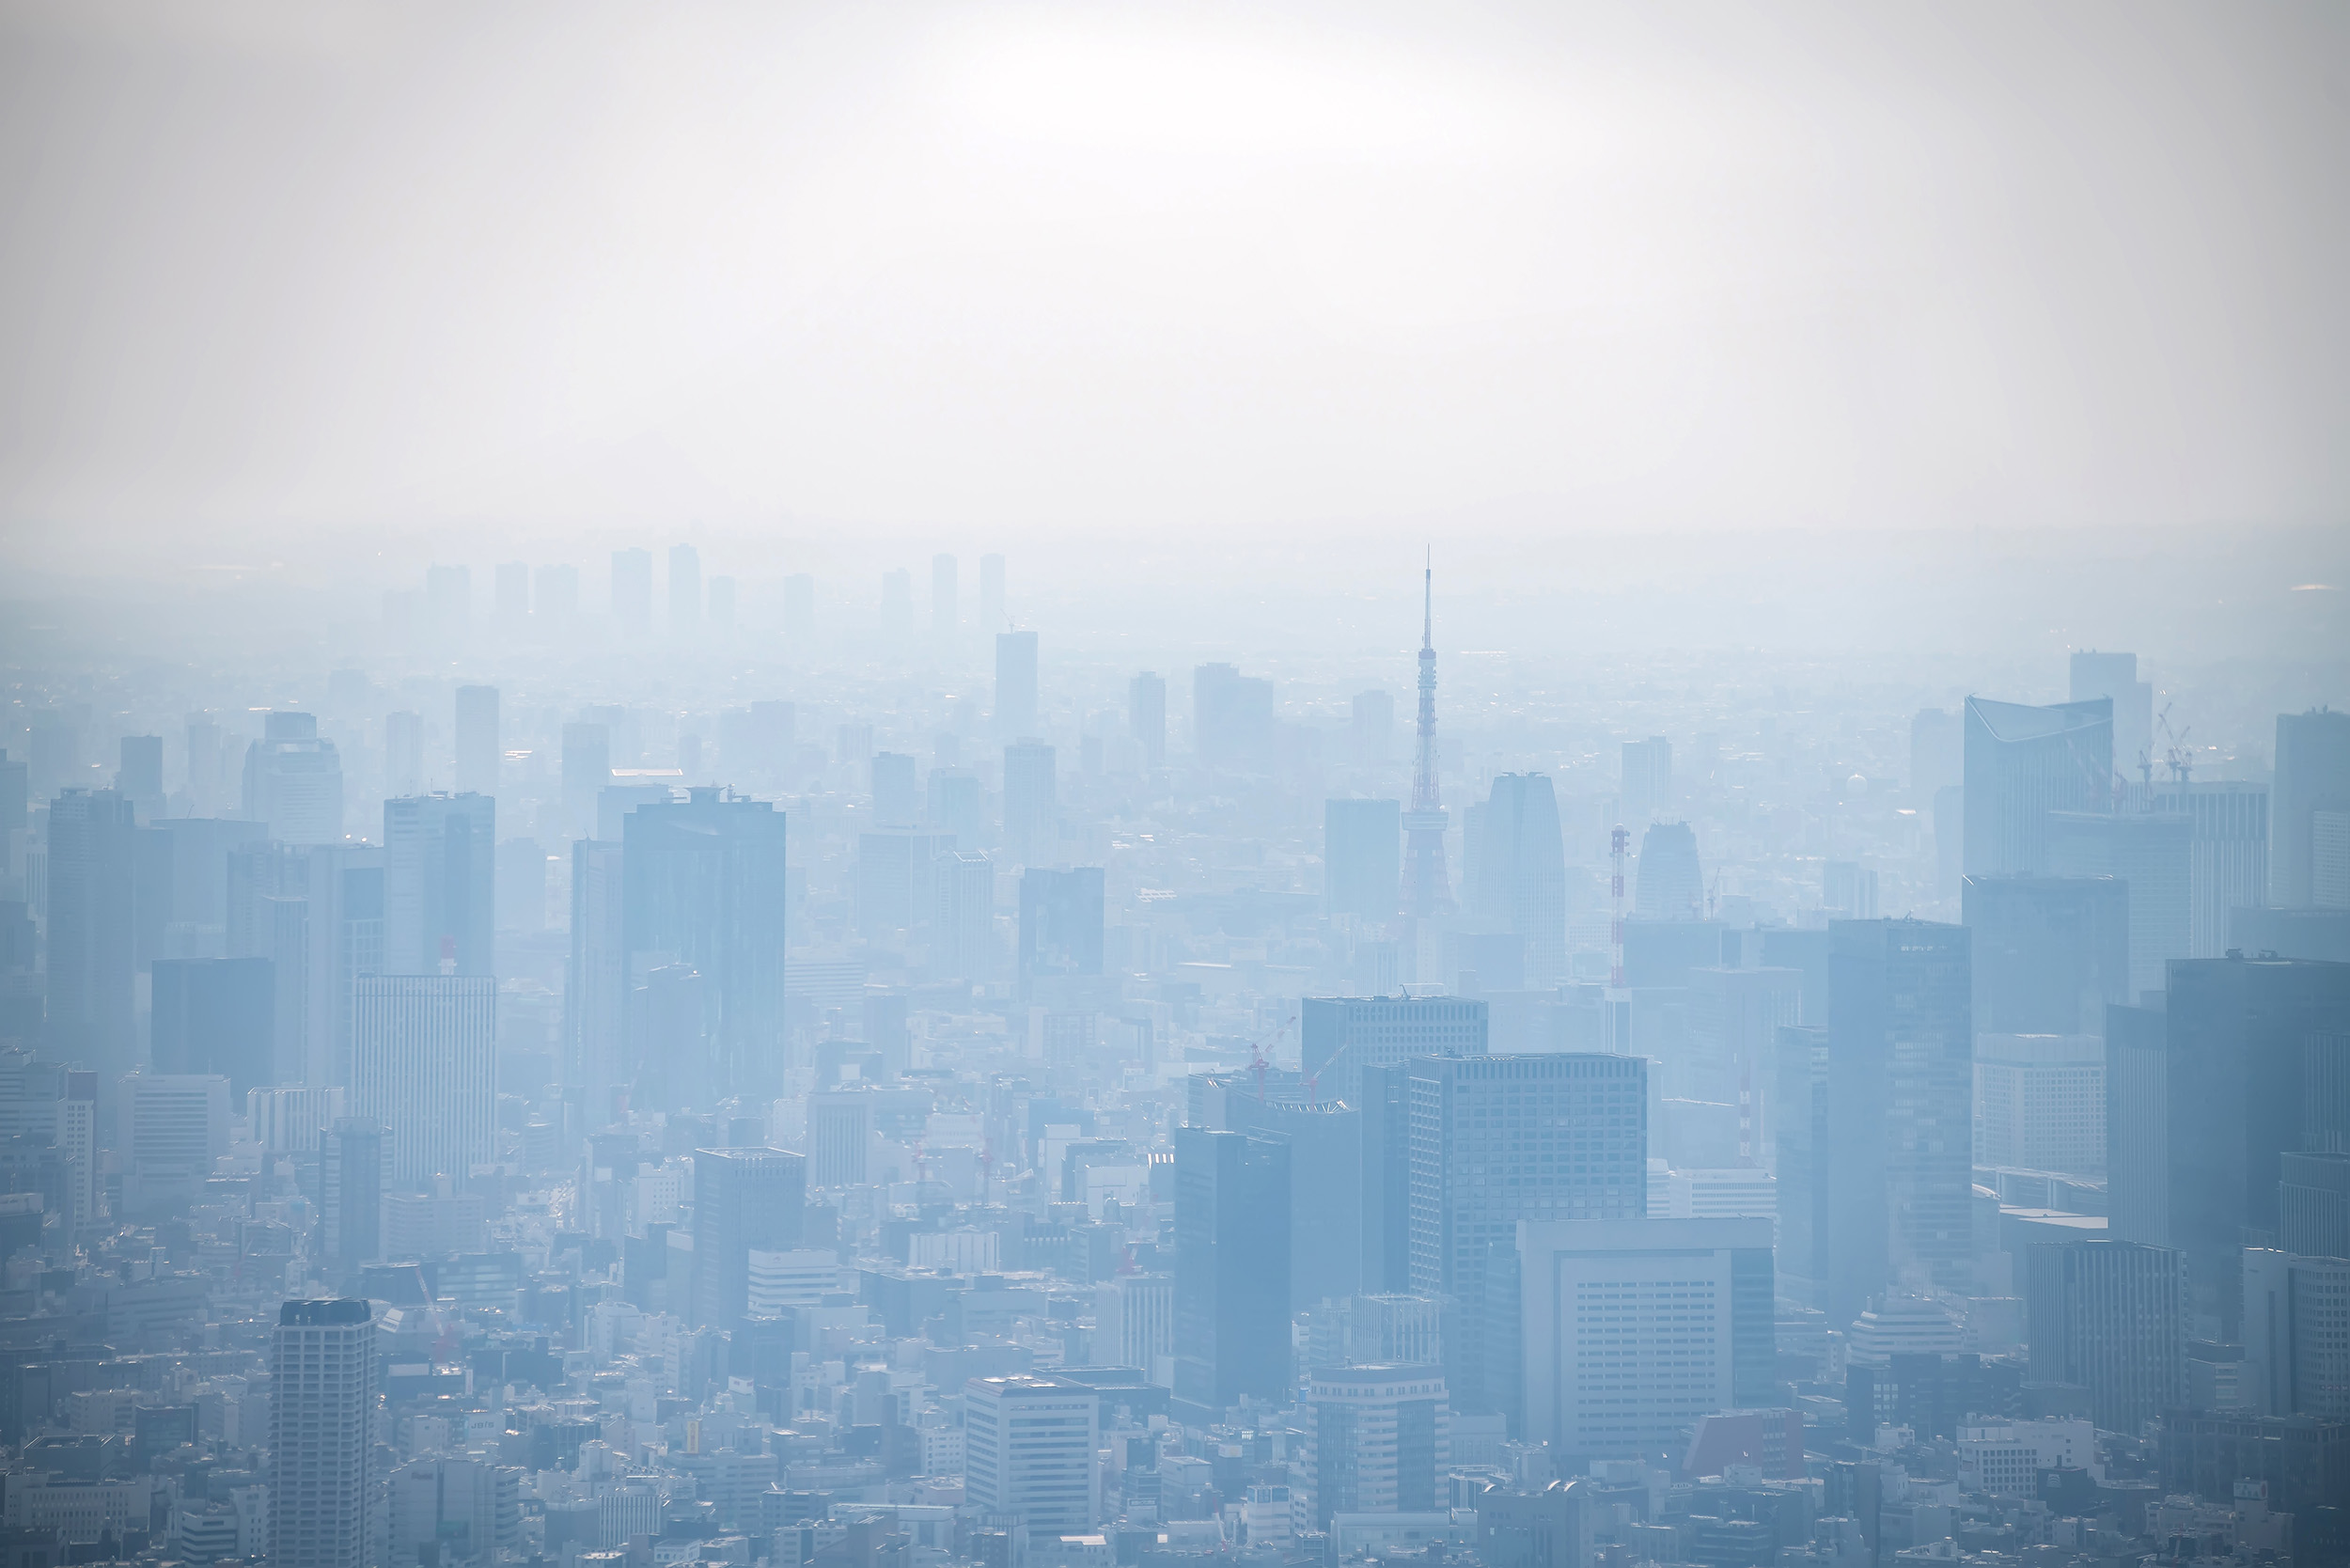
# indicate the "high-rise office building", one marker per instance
pixel 1231 718
pixel 685 589
pixel 478 747
pixel 955 805
pixel 1636 1328
pixel 587 771
pixel 1671 884
pixel 2307 804
pixel 2114 678
pixel 2227 849
pixel 632 592
pixel 316 915
pixel 1371 728
pixel 595 983
pixel 217 1015
pixel 294 782
pixel 1499 1140
pixel 404 754
pixel 2151 855
pixel 1133 1316
pixel 2110 1316
pixel 1522 873
pixel 1362 858
pixel 962 926
pixel 2314 1203
pixel 2297 1333
pixel 92 876
pixel 744 1201
pixel 322 1431
pixel 425 1068
pixel 896 792
pixel 1334 1187
pixel 1146 716
pixel 704 886
pixel 1028 1445
pixel 992 593
pixel 1804 1169
pixel 2050 954
pixel 1646 788
pixel 1901 1102
pixel 1061 924
pixel 292 1118
pixel 1378 1439
pixel 945 604
pixel 2137 1127
pixel 352 1157
pixel 440 883
pixel 2039 1103
pixel 895 879
pixel 2237 1043
pixel 1231 1268
pixel 1733 1019
pixel 2022 763
pixel 1340 1037
pixel 1015 685
pixel 1031 805
pixel 555 590
pixel 139 779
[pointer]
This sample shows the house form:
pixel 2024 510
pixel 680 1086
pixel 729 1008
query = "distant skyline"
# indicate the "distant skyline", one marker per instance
pixel 281 275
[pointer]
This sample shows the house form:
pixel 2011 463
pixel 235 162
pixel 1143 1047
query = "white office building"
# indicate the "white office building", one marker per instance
pixel 2005 1458
pixel 425 1067
pixel 1029 1451
pixel 1634 1329
pixel 2040 1102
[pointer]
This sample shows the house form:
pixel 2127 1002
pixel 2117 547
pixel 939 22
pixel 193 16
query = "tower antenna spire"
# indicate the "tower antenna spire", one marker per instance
pixel 1426 887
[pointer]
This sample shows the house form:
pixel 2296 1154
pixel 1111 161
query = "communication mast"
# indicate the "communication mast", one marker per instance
pixel 1618 845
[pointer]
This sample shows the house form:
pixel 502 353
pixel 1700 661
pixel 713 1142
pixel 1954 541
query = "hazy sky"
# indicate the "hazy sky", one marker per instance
pixel 271 273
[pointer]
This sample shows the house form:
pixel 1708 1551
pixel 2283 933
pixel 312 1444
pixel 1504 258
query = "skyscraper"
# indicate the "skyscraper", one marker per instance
pixel 1146 716
pixel 1362 858
pixel 1015 685
pixel 744 1201
pixel 897 793
pixel 477 748
pixel 2297 1333
pixel 404 754
pixel 217 1015
pixel 2151 854
pixel 351 1193
pixel 2114 678
pixel 2235 1085
pixel 425 1069
pixel 587 769
pixel 1671 885
pixel 632 592
pixel 1901 1104
pixel 1341 1037
pixel 1377 1439
pixel 1031 805
pixel 1028 1452
pixel 1522 873
pixel 962 928
pixel 595 983
pixel 1427 888
pixel 92 844
pixel 1231 1268
pixel 1648 779
pixel 1061 924
pixel 1231 718
pixel 946 606
pixel 704 881
pixel 294 782
pixel 440 880
pixel 1636 1328
pixel 1371 726
pixel 323 1430
pixel 685 589
pixel 1334 1184
pixel 2228 849
pixel 1499 1139
pixel 2313 783
pixel 2023 762
pixel 2111 1317
pixel 1804 1139
pixel 2050 953
pixel 140 779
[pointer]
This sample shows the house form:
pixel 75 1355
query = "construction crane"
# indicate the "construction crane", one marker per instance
pixel 1257 1063
pixel 2177 754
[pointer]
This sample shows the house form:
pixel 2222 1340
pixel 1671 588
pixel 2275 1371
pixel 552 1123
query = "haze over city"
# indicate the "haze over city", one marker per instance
pixel 1028 786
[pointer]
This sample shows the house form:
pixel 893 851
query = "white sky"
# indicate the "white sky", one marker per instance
pixel 310 271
